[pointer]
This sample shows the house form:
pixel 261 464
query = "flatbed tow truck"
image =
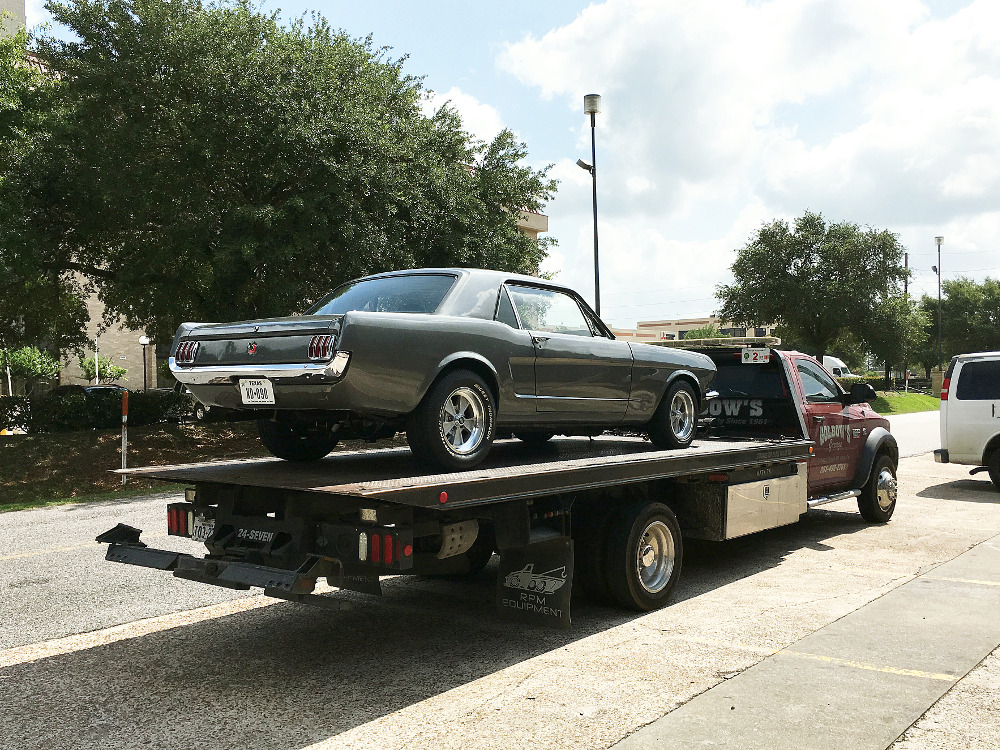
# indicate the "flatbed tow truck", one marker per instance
pixel 611 511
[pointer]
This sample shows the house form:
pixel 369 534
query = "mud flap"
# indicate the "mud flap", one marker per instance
pixel 535 583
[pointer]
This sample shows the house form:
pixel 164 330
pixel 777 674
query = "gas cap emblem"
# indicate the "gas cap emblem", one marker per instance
pixel 251 347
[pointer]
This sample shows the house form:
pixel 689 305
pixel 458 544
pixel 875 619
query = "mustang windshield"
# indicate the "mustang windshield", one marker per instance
pixel 420 293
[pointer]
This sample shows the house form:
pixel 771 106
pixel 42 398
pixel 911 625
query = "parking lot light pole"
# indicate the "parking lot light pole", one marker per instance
pixel 592 106
pixel 939 240
pixel 144 341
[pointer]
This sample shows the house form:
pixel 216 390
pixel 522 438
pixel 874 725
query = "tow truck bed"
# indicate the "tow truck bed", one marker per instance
pixel 513 470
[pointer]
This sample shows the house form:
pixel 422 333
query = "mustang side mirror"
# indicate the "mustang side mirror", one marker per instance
pixel 861 393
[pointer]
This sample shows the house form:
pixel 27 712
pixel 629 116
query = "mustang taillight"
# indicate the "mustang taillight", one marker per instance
pixel 321 347
pixel 187 351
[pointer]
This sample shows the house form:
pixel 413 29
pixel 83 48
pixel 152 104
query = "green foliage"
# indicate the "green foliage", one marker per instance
pixel 200 162
pixel 15 412
pixel 109 371
pixel 970 316
pixel 876 381
pixel 29 365
pixel 711 331
pixel 819 282
pixel 72 410
pixel 40 302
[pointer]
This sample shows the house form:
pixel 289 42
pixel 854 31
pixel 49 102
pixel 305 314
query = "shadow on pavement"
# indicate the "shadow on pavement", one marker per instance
pixel 289 675
pixel 966 490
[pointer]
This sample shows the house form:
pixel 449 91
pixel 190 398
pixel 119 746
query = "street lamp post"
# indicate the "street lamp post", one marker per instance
pixel 592 106
pixel 144 341
pixel 939 240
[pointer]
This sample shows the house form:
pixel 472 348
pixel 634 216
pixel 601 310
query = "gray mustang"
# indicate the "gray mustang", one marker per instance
pixel 451 356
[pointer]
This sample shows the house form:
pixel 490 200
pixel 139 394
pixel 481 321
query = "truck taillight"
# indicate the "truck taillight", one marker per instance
pixel 180 519
pixel 945 387
pixel 321 347
pixel 186 352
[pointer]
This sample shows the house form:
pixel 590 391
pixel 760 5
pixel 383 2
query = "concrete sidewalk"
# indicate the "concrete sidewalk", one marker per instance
pixel 862 681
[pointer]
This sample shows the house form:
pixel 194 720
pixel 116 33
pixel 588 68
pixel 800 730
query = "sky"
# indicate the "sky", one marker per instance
pixel 718 117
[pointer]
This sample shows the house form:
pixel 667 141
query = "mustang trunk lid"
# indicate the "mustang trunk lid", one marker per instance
pixel 264 342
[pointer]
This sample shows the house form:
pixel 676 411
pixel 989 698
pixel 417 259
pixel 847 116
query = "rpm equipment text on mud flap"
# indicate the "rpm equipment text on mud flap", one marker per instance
pixel 535 582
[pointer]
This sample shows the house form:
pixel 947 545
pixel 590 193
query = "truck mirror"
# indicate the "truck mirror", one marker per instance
pixel 862 393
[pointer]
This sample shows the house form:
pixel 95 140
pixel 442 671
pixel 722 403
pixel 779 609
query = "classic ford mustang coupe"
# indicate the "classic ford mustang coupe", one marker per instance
pixel 451 356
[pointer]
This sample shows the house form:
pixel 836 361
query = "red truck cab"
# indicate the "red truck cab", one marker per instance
pixel 765 392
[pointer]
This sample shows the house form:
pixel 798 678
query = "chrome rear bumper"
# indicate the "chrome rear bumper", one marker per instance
pixel 304 373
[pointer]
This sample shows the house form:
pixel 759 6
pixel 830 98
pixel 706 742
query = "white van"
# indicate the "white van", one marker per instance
pixel 970 413
pixel 836 366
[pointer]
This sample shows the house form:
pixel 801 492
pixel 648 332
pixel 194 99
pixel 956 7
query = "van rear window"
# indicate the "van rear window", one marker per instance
pixel 979 381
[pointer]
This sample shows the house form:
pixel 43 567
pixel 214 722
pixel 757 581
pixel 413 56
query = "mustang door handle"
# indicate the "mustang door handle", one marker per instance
pixel 818 418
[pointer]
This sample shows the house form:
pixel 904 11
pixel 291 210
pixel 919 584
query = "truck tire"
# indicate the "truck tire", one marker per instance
pixel 877 500
pixel 676 418
pixel 294 442
pixel 590 547
pixel 644 556
pixel 452 427
pixel 994 468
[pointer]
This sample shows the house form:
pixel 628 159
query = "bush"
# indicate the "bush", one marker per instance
pixel 15 412
pixel 101 409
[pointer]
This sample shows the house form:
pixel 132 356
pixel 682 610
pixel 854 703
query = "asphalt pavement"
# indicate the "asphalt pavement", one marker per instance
pixel 835 622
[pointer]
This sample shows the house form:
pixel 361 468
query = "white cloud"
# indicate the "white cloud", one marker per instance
pixel 719 116
pixel 481 120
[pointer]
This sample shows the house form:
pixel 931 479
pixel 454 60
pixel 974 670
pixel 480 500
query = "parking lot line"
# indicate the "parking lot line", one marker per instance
pixel 70 548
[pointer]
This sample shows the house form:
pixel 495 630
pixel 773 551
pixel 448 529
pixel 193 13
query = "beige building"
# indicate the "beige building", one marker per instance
pixel 13 16
pixel 674 330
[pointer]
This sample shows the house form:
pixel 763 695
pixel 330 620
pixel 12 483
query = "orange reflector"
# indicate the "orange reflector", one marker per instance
pixel 718 477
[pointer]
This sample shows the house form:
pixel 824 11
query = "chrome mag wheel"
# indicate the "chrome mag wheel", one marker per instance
pixel 463 420
pixel 682 415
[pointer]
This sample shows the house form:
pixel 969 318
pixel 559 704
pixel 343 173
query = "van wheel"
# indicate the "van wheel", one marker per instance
pixel 674 422
pixel 294 442
pixel 877 500
pixel 645 550
pixel 453 426
pixel 994 468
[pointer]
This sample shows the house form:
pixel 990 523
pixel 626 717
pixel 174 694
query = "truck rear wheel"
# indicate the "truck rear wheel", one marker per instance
pixel 877 500
pixel 294 442
pixel 453 426
pixel 645 550
pixel 674 422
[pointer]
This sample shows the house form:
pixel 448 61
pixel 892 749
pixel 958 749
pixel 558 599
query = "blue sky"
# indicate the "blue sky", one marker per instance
pixel 719 116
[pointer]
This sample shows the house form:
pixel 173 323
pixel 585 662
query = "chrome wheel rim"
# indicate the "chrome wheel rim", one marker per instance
pixel 886 492
pixel 654 557
pixel 682 416
pixel 463 421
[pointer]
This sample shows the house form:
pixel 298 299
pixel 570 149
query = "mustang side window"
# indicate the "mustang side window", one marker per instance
pixel 819 387
pixel 549 311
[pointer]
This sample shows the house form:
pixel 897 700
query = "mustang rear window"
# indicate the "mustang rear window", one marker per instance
pixel 398 294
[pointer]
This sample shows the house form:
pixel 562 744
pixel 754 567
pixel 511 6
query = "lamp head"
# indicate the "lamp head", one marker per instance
pixel 938 241
pixel 583 165
pixel 592 104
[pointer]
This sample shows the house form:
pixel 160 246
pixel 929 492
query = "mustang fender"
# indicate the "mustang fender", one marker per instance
pixel 476 362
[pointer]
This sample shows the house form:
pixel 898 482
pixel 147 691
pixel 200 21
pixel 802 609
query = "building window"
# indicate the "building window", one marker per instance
pixel 759 332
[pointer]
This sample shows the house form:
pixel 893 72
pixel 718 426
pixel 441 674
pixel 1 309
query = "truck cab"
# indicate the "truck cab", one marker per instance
pixel 790 394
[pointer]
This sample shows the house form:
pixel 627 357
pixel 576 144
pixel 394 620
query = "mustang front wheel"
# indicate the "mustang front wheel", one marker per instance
pixel 453 426
pixel 294 442
pixel 673 424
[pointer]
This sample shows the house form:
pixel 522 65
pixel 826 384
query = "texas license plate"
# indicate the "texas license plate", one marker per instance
pixel 202 529
pixel 257 391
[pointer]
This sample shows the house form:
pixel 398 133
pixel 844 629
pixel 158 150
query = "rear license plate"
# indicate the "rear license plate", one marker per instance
pixel 203 528
pixel 257 391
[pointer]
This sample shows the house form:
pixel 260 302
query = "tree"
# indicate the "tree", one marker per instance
pixel 818 282
pixel 30 365
pixel 201 162
pixel 711 331
pixel 970 319
pixel 109 371
pixel 39 305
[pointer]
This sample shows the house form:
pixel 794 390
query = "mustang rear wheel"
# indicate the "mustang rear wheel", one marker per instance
pixel 673 425
pixel 294 442
pixel 453 426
